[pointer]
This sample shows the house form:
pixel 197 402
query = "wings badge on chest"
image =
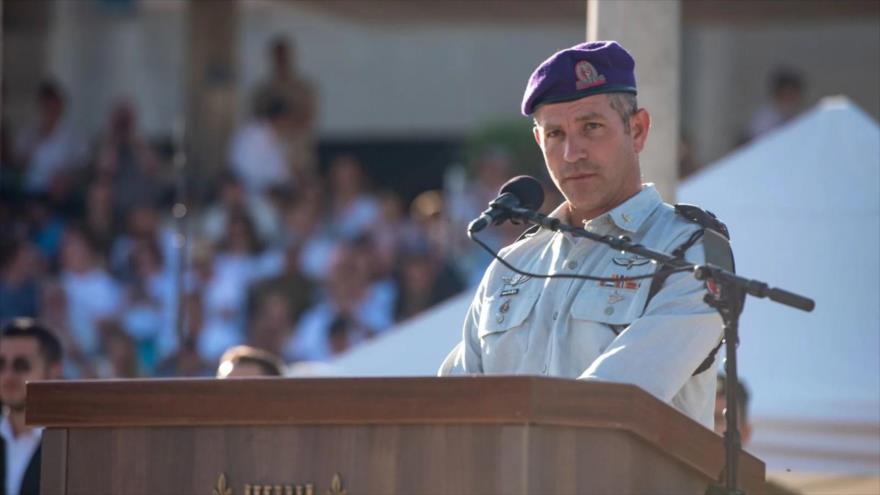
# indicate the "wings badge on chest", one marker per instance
pixel 629 262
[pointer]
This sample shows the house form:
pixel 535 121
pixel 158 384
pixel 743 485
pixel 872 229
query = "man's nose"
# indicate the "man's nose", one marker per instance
pixel 574 149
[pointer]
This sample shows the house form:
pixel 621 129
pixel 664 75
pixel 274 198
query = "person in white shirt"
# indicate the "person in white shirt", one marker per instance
pixel 259 154
pixel 28 352
pixel 49 147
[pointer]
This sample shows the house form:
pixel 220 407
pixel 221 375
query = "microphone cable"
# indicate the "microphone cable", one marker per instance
pixel 659 273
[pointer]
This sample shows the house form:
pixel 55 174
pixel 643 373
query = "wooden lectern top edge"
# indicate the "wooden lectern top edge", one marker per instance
pixel 522 400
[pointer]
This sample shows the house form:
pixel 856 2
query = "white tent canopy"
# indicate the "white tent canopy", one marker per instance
pixel 803 208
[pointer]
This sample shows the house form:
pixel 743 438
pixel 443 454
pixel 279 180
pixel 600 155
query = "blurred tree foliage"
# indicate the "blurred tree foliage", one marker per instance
pixel 515 137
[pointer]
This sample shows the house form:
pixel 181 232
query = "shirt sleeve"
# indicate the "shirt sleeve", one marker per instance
pixel 465 357
pixel 660 351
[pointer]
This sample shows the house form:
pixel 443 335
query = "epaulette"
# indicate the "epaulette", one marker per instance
pixel 718 252
pixel 703 218
pixel 528 232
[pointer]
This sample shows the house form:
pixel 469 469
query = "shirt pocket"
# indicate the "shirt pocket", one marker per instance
pixel 504 329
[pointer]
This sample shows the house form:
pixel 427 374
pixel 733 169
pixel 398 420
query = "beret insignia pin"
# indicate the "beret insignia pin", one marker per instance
pixel 587 76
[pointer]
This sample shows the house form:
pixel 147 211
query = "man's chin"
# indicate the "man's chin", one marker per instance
pixel 15 407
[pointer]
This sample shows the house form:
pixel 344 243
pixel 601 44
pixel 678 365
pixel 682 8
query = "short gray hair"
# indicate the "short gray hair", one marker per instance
pixel 625 104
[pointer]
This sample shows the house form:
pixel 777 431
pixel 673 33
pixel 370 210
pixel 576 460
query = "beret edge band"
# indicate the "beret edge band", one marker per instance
pixel 610 88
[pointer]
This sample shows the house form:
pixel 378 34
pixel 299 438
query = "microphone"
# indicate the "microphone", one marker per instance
pixel 521 192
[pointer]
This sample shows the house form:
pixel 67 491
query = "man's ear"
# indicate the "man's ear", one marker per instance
pixel 639 125
pixel 537 133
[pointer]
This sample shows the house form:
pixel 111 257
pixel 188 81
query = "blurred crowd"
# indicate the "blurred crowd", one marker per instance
pixel 292 258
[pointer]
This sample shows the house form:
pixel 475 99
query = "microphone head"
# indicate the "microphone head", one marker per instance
pixel 526 189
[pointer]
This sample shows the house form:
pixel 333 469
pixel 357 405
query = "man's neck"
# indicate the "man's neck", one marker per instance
pixel 582 217
pixel 16 421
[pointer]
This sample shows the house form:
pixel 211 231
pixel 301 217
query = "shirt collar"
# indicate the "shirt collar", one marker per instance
pixel 6 428
pixel 628 216
pixel 632 213
pixel 9 436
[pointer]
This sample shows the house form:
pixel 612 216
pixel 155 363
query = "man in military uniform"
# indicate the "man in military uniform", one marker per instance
pixel 591 131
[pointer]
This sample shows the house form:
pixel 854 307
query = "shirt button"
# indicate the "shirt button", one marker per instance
pixel 609 310
pixel 572 265
pixel 555 314
pixel 499 318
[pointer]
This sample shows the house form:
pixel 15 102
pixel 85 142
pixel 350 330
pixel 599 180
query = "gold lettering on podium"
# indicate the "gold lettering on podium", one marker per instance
pixel 336 486
pixel 222 488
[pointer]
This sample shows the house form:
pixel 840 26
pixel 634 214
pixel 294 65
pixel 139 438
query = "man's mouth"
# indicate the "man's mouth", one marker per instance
pixel 581 176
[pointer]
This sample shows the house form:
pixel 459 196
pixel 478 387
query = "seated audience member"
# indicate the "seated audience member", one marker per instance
pixel 45 227
pixel 28 352
pixel 297 289
pixel 423 280
pixel 150 310
pixel 243 361
pixel 353 210
pixel 259 154
pixel 19 285
pixel 272 321
pixel 129 160
pixel 239 264
pixel 184 362
pixel 92 295
pixel 120 354
pixel 393 231
pixel 54 314
pixel 352 292
pixel 49 147
pixel 233 200
pixel 100 216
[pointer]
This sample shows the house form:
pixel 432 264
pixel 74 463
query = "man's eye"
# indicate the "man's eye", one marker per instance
pixel 554 133
pixel 592 126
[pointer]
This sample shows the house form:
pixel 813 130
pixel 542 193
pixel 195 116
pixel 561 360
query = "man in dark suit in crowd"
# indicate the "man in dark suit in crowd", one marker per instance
pixel 28 352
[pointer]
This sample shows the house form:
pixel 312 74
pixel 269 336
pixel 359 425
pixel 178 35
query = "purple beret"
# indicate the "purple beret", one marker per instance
pixel 582 70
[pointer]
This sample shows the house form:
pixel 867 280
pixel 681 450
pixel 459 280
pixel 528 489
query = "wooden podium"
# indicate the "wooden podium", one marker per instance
pixel 462 435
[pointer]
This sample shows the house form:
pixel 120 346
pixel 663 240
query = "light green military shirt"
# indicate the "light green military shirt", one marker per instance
pixel 598 330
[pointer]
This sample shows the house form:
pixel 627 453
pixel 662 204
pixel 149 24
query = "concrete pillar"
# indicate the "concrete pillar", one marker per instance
pixel 651 32
pixel 211 84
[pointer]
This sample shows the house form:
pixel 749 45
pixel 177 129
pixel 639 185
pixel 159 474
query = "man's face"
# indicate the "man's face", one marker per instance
pixel 591 158
pixel 20 362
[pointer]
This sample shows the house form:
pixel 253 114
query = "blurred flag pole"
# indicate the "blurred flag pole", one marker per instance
pixel 181 228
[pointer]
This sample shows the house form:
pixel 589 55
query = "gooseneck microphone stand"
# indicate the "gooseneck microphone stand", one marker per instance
pixel 728 300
